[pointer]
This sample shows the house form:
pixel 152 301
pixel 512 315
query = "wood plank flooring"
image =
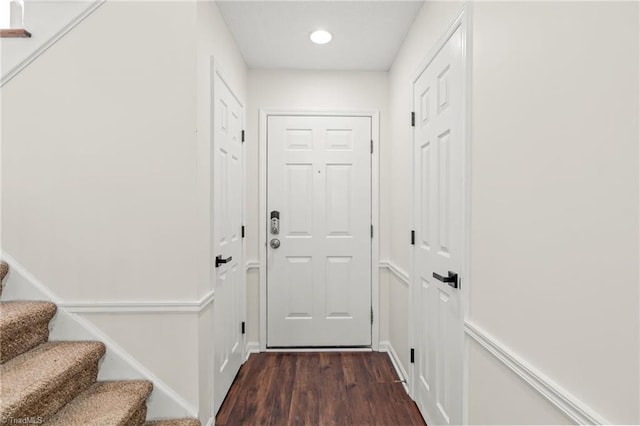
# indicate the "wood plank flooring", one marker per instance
pixel 326 388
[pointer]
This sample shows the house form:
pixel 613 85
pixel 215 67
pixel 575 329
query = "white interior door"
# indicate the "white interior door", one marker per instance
pixel 227 239
pixel 319 187
pixel 438 154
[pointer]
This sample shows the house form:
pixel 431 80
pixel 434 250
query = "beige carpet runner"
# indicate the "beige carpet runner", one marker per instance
pixel 55 382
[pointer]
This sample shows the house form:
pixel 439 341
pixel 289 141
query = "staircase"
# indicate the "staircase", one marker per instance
pixel 55 382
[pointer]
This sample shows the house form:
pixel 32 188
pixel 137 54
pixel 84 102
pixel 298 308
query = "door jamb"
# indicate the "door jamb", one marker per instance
pixel 464 21
pixel 375 210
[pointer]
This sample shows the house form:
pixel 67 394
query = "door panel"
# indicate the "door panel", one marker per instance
pixel 227 221
pixel 438 196
pixel 299 287
pixel 300 199
pixel 319 278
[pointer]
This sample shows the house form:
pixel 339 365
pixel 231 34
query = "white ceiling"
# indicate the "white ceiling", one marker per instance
pixel 275 34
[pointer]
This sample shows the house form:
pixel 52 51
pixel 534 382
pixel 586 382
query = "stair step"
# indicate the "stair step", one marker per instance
pixel 4 269
pixel 39 382
pixel 23 326
pixel 174 422
pixel 117 403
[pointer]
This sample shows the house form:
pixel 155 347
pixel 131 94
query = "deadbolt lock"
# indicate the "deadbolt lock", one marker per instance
pixel 275 222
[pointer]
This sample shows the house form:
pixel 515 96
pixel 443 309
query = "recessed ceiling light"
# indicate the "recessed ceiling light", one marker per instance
pixel 321 37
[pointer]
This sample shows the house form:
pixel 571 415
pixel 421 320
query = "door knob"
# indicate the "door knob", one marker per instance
pixel 220 260
pixel 451 279
pixel 275 243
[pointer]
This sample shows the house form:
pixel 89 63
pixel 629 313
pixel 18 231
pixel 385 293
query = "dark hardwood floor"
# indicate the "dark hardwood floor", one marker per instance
pixel 327 388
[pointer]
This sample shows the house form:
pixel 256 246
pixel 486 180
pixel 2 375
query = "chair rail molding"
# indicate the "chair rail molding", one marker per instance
pixel 395 270
pixel 37 289
pixel 132 306
pixel 252 264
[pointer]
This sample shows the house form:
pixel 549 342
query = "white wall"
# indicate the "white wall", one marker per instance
pixel 100 160
pixel 510 400
pixel 105 185
pixel 253 305
pixel 214 40
pixel 432 21
pixel 154 339
pixel 45 20
pixel 554 264
pixel 5 14
pixel 99 170
pixel 319 90
pixel 105 175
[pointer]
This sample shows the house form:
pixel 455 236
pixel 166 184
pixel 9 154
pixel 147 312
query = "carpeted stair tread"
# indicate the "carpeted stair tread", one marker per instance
pixel 174 422
pixel 24 312
pixel 23 326
pixel 39 382
pixel 106 403
pixel 4 269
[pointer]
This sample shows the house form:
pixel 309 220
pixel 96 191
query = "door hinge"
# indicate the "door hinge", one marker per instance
pixel 413 119
pixel 243 136
pixel 372 315
pixel 413 238
pixel 371 231
pixel 413 355
pixel 242 327
pixel 242 231
pixel 372 146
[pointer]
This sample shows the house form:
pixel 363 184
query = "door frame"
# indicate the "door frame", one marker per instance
pixel 463 21
pixel 375 211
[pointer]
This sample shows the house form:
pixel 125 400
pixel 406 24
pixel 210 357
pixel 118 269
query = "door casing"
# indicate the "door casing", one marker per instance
pixel 463 21
pixel 375 201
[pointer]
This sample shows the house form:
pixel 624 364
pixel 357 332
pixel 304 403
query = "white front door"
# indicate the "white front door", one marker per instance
pixel 319 193
pixel 438 154
pixel 228 304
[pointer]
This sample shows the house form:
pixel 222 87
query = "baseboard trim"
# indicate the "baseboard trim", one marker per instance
pixel 386 346
pixel 52 41
pixel 345 349
pixel 252 348
pixel 572 407
pixel 397 271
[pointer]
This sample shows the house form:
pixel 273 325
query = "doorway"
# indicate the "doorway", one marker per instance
pixel 227 156
pixel 319 230
pixel 438 237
